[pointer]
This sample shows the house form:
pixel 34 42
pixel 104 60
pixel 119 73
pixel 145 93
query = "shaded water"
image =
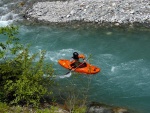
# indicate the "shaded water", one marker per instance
pixel 122 54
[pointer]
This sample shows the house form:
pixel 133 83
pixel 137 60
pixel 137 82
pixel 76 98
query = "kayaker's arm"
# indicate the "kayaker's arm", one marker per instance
pixel 71 59
pixel 82 56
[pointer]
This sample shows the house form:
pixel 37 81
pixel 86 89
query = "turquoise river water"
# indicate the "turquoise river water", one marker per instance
pixel 122 54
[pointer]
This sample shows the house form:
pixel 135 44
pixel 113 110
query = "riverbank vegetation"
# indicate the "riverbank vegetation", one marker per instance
pixel 26 80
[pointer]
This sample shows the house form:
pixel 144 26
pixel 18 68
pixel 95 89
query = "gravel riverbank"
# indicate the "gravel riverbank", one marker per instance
pixel 97 11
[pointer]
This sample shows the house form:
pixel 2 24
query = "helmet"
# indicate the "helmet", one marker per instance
pixel 75 55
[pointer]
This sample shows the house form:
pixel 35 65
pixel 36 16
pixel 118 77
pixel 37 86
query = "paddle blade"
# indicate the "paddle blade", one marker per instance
pixel 66 75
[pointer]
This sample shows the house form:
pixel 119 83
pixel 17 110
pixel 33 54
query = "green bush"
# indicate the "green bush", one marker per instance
pixel 21 76
pixel 80 109
pixel 52 109
pixel 11 45
pixel 3 108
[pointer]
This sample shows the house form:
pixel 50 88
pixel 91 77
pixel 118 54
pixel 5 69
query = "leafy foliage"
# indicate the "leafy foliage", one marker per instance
pixel 11 45
pixel 22 80
pixel 3 108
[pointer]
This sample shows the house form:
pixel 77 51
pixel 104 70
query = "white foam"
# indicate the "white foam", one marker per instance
pixel 3 10
pixel 131 65
pixel 5 23
pixel 8 16
pixel 113 68
pixel 8 19
pixel 60 54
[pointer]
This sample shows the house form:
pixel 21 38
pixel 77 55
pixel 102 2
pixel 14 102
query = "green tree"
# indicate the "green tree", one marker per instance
pixel 23 79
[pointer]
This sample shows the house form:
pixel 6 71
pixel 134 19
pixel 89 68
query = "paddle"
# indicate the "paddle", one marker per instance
pixel 75 68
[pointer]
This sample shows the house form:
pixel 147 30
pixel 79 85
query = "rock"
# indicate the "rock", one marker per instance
pixel 98 109
pixel 120 110
pixel 61 111
pixel 102 108
pixel 113 4
pixel 132 12
pixel 72 12
pixel 111 11
pixel 68 16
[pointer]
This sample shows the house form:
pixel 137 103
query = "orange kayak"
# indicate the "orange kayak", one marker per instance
pixel 85 68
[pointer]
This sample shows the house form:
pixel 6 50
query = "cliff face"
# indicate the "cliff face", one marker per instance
pixel 99 11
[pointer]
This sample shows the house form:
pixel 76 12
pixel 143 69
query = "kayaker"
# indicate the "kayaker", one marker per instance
pixel 76 60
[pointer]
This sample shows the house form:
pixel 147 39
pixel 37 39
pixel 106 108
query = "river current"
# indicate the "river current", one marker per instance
pixel 123 54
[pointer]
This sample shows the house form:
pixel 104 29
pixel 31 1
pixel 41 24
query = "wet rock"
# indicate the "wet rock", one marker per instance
pixel 98 109
pixel 102 108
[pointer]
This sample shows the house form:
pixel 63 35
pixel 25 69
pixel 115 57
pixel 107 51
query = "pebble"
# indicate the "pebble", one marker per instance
pixel 109 11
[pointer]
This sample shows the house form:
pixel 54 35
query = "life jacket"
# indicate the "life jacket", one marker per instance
pixel 75 62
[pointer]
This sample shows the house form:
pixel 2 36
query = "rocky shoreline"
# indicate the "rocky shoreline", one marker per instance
pixel 95 11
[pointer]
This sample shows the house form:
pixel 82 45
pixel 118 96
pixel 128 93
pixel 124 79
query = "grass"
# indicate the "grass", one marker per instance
pixel 4 108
